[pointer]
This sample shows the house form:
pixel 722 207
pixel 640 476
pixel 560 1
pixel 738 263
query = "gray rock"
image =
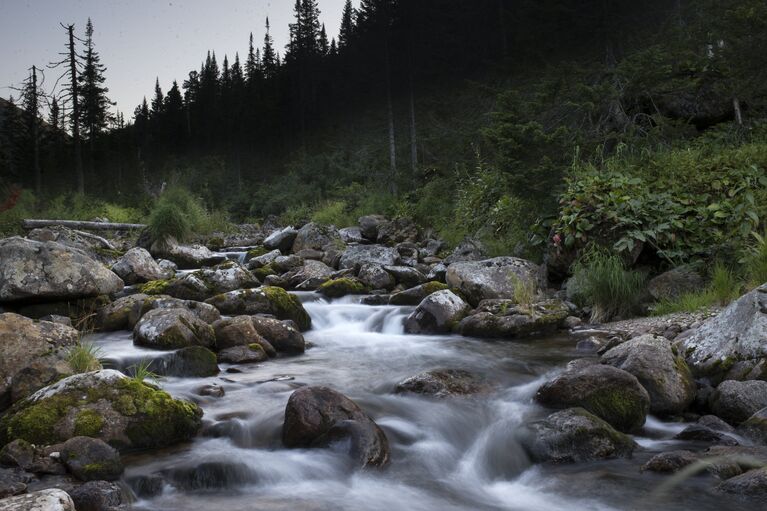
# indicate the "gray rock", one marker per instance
pixel 441 383
pixel 608 392
pixel 239 331
pixel 309 276
pixel 700 433
pixel 203 311
pixel 285 337
pixel 737 334
pixel 407 276
pixel 661 372
pixel 437 313
pixel 281 240
pixel 492 278
pixel 467 250
pixel 167 329
pixel 186 257
pixel 49 271
pixel 755 427
pixel 415 295
pixel 670 462
pixel 752 484
pixel 97 496
pixel 398 230
pixel 375 277
pixel 316 237
pixel 24 344
pixel 322 417
pixel 357 255
pixel 168 266
pixel 264 300
pixel 91 459
pixel 674 283
pixel 369 226
pixel 137 266
pixel 283 264
pixel 437 273
pixel 351 235
pixel 575 436
pixel 191 362
pixel 506 319
pixel 243 354
pixel 43 500
pixel 263 260
pixel 12 482
pixel 736 401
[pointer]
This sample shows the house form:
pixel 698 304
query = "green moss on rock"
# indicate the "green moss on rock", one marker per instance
pixel 155 287
pixel 256 252
pixel 287 306
pixel 336 288
pixel 264 271
pixel 88 423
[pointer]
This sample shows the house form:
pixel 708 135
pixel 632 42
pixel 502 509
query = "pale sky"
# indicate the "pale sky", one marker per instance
pixel 139 40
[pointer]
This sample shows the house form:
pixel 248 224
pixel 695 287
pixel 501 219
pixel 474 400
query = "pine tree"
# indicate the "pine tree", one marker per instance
pixel 54 116
pixel 269 59
pixel 93 93
pixel 251 64
pixel 31 97
pixel 347 25
pixel 324 45
pixel 158 101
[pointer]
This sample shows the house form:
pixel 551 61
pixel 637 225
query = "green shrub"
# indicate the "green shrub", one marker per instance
pixel 604 283
pixel 724 285
pixel 20 208
pixel 178 213
pixel 168 220
pixel 723 288
pixel 334 212
pixel 755 262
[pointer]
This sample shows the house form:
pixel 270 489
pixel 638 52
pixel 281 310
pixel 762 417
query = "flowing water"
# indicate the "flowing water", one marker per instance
pixel 446 454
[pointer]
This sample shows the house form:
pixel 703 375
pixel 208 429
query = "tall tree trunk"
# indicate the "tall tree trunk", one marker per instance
pixel 36 138
pixel 76 113
pixel 390 112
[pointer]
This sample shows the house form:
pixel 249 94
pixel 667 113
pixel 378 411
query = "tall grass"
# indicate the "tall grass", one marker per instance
pixel 179 214
pixel 721 290
pixel 604 283
pixel 755 262
pixel 142 372
pixel 84 357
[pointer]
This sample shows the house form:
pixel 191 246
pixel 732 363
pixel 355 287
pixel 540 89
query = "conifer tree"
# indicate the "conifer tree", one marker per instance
pixel 251 64
pixel 269 59
pixel 347 25
pixel 93 93
pixel 158 100
pixel 324 44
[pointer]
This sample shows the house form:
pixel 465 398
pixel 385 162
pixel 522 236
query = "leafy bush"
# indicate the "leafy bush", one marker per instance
pixel 169 221
pixel 334 212
pixel 179 214
pixel 604 283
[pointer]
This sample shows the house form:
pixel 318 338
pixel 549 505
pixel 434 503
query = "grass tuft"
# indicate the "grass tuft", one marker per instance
pixel 84 357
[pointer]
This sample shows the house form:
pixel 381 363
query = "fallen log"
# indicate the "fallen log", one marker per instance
pixel 75 224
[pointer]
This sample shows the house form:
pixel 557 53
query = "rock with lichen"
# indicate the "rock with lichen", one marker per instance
pixel 263 300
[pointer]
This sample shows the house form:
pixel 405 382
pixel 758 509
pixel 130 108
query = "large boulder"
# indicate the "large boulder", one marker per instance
pixel 375 277
pixel 43 500
pixel 674 283
pixel 243 354
pixel 282 335
pixel 437 313
pixel 205 312
pixel 661 371
pixel 95 246
pixel 336 288
pixel 263 300
pixel 98 496
pixel 91 459
pixel 168 329
pixel 369 226
pixel 504 318
pixel 608 392
pixel 397 231
pixel 137 266
pixel 262 260
pixel 281 240
pixel 237 331
pixel 407 276
pixel 321 417
pixel 755 427
pixel 736 401
pixel 492 278
pixel 415 295
pixel 467 250
pixel 186 257
pixel 734 343
pixel 116 315
pixel 50 271
pixel 574 436
pixel 314 236
pixel 202 284
pixel 124 412
pixel 24 342
pixel 355 256
pixel 351 235
pixel 309 276
pixel 752 484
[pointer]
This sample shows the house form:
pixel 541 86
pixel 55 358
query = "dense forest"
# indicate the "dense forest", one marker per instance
pixel 471 117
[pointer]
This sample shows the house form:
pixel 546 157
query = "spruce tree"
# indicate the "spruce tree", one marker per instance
pixel 347 25
pixel 269 58
pixel 324 44
pixel 93 94
pixel 158 101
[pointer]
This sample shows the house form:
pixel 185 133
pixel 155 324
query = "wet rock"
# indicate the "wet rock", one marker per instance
pixel 167 329
pixel 407 276
pixel 491 278
pixel 202 284
pixel 415 295
pixel 30 458
pixel 369 226
pixel 319 416
pixel 97 496
pixel 715 423
pixel 284 337
pixel 589 345
pixel 738 334
pixel 700 433
pixel 91 459
pixel 236 331
pixel 755 427
pixel 36 271
pixel 211 475
pixel 355 256
pixel 670 462
pixel 504 318
pixel 315 236
pixel 752 484
pixel 264 300
pixel 375 277
pixel 263 259
pixel 309 276
pixel 211 390
pixel 105 404
pixel 337 288
pixel 281 240
pixel 437 313
pixel 137 266
pixel 31 349
pixel 205 312
pixel 438 273
pixel 441 383
pixel 730 461
pixel 243 355
pixel 191 362
pixel 13 482
pixel 736 401
pixel 116 315
pixel 146 486
pixel 575 435
pixel 286 263
pixel 674 283
pixel 608 392
pixel 189 286
pixel 44 500
pixel 662 372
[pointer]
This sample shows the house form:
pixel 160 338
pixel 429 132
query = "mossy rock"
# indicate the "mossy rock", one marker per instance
pixel 155 287
pixel 336 288
pixel 215 243
pixel 415 295
pixel 124 412
pixel 255 252
pixel 264 271
pixel 263 300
